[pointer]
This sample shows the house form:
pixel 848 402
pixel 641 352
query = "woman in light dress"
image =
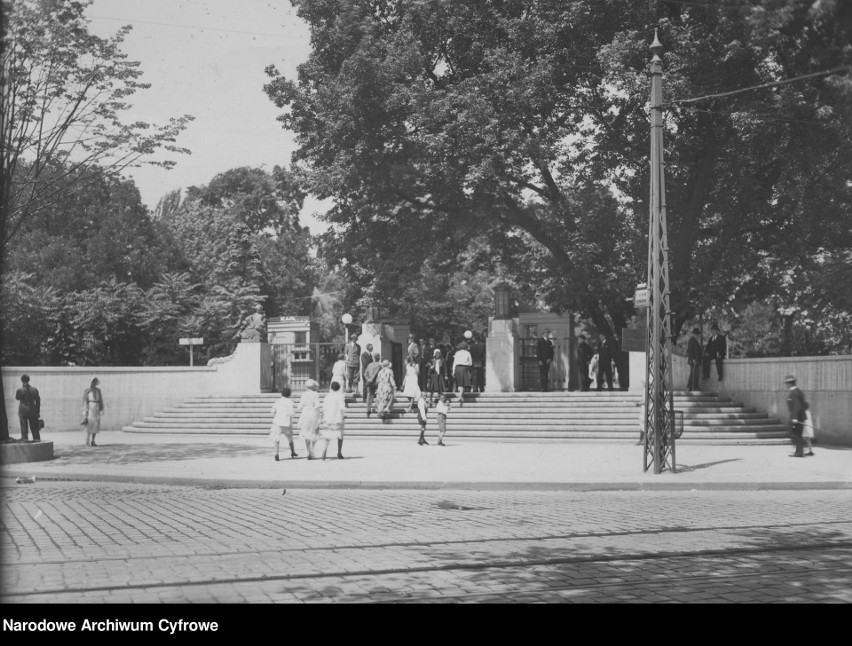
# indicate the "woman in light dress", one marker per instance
pixel 93 406
pixel 385 389
pixel 309 416
pixel 338 371
pixel 411 383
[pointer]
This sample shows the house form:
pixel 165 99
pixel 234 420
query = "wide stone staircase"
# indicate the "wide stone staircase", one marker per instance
pixel 524 416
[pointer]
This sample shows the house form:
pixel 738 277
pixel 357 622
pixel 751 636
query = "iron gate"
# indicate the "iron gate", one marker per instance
pixel 293 365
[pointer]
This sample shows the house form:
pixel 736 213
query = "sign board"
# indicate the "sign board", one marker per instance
pixel 634 340
pixel 642 297
pixel 191 341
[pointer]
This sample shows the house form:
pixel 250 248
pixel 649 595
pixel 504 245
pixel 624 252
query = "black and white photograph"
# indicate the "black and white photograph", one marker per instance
pixel 417 302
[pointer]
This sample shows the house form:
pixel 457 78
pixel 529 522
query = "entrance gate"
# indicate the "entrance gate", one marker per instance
pixel 293 365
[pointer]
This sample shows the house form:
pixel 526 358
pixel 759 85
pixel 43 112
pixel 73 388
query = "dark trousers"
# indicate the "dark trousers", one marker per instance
pixel 694 383
pixel 543 370
pixel 352 378
pixel 583 377
pixel 32 420
pixel 371 395
pixel 477 379
pixel 798 441
pixel 707 361
pixel 605 372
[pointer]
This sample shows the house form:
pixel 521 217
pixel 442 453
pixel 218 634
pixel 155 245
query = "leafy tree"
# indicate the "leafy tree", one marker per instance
pixel 431 121
pixel 64 92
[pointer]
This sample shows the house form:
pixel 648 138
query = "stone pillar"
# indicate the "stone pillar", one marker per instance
pixel 501 356
pixel 245 370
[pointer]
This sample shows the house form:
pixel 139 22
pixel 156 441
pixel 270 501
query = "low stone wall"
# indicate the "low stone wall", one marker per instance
pixel 759 383
pixel 19 452
pixel 130 393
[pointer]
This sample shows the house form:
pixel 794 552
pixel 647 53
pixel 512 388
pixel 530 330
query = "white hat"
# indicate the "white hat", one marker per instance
pixel 312 384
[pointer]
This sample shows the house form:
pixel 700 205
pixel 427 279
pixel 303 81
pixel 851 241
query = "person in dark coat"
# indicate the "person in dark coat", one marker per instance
pixel 366 360
pixel 427 350
pixel 584 357
pixel 477 375
pixel 29 409
pixel 798 414
pixel 370 374
pixel 607 352
pixel 716 350
pixel 544 352
pixel 693 357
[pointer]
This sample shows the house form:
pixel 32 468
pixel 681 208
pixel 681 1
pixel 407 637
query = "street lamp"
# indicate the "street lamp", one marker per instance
pixel 347 319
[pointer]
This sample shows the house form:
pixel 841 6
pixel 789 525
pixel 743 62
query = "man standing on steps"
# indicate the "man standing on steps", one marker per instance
pixel 693 357
pixel 370 375
pixel 366 360
pixel 584 358
pixel 353 364
pixel 606 353
pixel 544 352
pixel 717 350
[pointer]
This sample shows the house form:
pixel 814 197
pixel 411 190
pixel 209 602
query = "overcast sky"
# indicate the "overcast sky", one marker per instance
pixel 206 58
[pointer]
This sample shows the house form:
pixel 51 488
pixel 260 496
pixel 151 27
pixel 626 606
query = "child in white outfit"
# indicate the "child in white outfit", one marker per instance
pixel 441 411
pixel 282 422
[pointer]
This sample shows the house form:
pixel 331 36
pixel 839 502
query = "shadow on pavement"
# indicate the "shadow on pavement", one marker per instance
pixel 136 453
pixel 696 467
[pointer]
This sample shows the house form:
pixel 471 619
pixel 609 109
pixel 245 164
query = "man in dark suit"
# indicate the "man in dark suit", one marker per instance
pixel 607 351
pixel 366 360
pixel 427 350
pixel 544 352
pixel 370 374
pixel 798 414
pixel 477 353
pixel 584 357
pixel 716 350
pixel 29 409
pixel 693 357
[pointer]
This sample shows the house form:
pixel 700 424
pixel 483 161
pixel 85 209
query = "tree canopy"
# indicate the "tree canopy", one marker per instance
pixel 434 122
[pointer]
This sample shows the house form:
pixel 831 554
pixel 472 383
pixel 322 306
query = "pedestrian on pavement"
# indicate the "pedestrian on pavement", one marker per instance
pixel 544 352
pixel 421 419
pixel 693 357
pixel 410 383
pixel 441 412
pixel 385 389
pixel 798 414
pixel 283 412
pixel 716 350
pixel 809 432
pixel 310 415
pixel 29 409
pixel 333 418
pixel 370 375
pixel 584 358
pixel 353 364
pixel 436 375
pixel 462 363
pixel 93 406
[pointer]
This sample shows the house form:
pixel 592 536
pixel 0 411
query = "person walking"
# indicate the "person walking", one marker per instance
pixel 29 410
pixel 410 383
pixel 446 348
pixel 370 375
pixel 93 406
pixel 422 414
pixel 353 364
pixel 544 352
pixel 366 360
pixel 441 412
pixel 333 417
pixel 462 362
pixel 385 389
pixel 716 350
pixel 426 352
pixel 584 358
pixel 693 357
pixel 338 370
pixel 798 414
pixel 310 415
pixel 283 412
pixel 606 354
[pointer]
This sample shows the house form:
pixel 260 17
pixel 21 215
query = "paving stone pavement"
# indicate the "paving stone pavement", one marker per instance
pixel 108 542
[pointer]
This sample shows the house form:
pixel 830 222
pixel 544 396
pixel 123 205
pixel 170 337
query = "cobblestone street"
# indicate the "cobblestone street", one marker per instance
pixel 83 542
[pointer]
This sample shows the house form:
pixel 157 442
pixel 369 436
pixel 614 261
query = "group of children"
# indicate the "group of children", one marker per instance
pixel 324 421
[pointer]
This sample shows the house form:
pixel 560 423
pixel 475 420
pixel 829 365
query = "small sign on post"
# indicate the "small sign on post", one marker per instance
pixel 642 296
pixel 191 341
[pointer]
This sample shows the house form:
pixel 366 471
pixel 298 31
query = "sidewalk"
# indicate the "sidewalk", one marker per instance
pixel 399 463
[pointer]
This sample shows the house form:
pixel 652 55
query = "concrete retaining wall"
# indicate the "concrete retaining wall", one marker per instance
pixel 130 393
pixel 759 383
